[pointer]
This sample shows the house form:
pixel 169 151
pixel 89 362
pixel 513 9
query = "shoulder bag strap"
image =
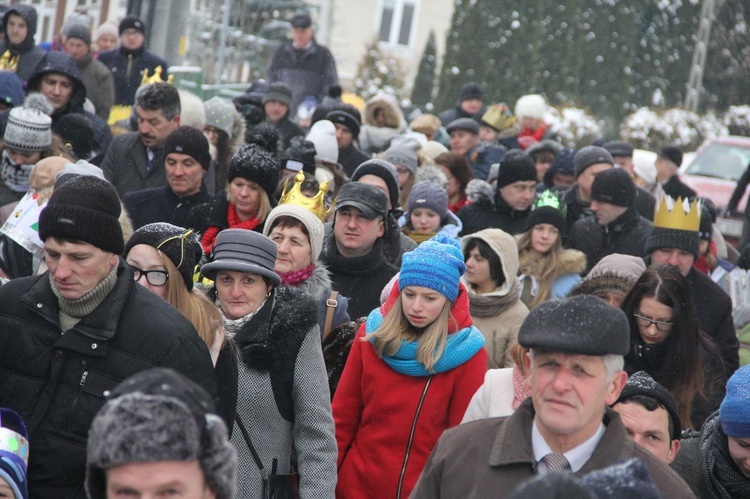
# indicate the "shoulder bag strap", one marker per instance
pixel 331 305
pixel 246 435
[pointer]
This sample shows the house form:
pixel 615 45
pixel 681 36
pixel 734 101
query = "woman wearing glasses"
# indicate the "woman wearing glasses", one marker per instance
pixel 667 344
pixel 163 258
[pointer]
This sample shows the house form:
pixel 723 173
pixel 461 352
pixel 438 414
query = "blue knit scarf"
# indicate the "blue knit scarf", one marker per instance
pixel 460 347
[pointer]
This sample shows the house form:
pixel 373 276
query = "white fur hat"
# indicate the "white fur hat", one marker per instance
pixel 192 112
pixel 531 106
pixel 323 135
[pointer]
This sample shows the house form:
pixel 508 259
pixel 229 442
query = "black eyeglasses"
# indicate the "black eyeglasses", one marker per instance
pixel 154 277
pixel 647 321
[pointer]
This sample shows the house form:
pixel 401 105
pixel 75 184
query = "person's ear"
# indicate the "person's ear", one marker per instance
pixel 674 448
pixel 616 386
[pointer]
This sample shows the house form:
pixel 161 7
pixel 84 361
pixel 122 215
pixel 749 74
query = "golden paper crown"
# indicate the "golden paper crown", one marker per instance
pixel 156 77
pixel 315 205
pixel 8 62
pixel 679 215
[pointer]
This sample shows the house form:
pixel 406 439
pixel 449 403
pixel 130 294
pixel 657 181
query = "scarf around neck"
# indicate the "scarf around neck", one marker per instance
pixel 16 177
pixel 492 305
pixel 460 347
pixel 296 277
pixel 233 219
pixel 720 474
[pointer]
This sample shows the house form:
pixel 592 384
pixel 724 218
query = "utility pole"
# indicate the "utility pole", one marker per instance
pixel 695 80
pixel 221 65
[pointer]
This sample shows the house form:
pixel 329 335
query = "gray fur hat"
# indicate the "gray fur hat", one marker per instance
pixel 160 415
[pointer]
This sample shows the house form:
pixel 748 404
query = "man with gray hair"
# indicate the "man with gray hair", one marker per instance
pixel 158 432
pixel 575 365
pixel 135 160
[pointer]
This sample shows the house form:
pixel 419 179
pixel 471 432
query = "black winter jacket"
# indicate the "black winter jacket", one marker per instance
pixel 350 158
pixel 361 279
pixel 161 204
pixel 57 382
pixel 576 210
pixel 626 235
pixel 127 68
pixel 485 213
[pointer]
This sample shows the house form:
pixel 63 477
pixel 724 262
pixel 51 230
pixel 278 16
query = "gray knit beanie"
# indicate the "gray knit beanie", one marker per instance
pixel 160 415
pixel 403 151
pixel 428 194
pixel 30 127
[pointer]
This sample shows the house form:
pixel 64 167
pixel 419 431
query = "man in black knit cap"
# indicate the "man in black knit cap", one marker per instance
pixel 70 335
pixel 615 226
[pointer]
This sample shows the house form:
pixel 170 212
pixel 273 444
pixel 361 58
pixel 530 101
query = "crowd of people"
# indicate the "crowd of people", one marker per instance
pixel 255 298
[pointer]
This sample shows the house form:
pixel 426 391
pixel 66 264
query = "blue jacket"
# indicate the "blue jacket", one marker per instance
pixel 127 69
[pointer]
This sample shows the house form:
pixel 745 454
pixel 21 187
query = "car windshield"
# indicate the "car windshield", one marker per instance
pixel 721 161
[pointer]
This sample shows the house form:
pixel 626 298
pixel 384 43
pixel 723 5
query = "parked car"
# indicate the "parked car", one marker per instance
pixel 714 172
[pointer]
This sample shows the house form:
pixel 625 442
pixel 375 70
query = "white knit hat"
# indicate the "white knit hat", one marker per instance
pixel 29 126
pixel 313 224
pixel 106 28
pixel 323 135
pixel 531 106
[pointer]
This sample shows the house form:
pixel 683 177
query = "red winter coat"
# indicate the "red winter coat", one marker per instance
pixel 374 409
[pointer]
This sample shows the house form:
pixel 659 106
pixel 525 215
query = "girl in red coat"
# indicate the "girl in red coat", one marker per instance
pixel 410 375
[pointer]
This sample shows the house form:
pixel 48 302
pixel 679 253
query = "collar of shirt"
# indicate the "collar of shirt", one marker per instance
pixel 577 456
pixel 306 47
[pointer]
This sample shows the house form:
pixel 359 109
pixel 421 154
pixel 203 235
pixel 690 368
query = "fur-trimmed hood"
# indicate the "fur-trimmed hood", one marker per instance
pixel 393 115
pixel 570 262
pixel 480 192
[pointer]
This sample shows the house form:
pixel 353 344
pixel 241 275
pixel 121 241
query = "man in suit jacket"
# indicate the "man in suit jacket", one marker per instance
pixel 135 160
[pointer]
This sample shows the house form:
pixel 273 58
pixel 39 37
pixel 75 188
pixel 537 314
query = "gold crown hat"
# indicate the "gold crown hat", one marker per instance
pixel 676 226
pixel 678 215
pixel 311 211
pixel 155 77
pixel 8 62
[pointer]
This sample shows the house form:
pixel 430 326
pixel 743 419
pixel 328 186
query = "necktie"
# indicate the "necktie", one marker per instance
pixel 556 462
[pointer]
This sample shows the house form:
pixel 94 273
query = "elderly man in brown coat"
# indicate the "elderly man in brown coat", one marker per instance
pixel 575 372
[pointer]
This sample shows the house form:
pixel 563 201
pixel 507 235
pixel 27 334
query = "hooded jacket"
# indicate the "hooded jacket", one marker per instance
pixel 387 422
pixel 62 63
pixel 489 210
pixel 499 314
pixel 29 55
pixel 626 235
pixel 374 138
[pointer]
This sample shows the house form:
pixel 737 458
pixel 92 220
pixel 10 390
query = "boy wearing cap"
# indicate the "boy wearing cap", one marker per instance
pixel 354 251
pixel 575 371
pixel 128 61
pixel 470 104
pixel 588 162
pixel 615 226
pixel 464 133
pixel 668 163
pixel 187 159
pixel 649 414
pixel 302 63
pixel 715 462
pixel 96 77
pixel 276 107
pixel 70 335
pixel 511 204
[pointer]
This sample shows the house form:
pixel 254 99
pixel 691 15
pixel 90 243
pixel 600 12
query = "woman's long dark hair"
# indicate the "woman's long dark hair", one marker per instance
pixel 682 371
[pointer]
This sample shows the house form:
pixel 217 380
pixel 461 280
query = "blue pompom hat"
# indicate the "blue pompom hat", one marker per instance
pixel 14 452
pixel 436 264
pixel 733 412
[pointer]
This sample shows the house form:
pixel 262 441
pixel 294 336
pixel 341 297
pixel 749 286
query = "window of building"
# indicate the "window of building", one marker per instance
pixel 397 21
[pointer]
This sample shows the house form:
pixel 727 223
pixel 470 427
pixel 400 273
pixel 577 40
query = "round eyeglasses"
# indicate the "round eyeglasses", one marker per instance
pixel 153 277
pixel 647 321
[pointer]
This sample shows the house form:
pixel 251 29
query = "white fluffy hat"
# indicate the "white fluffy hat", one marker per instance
pixel 531 106
pixel 323 135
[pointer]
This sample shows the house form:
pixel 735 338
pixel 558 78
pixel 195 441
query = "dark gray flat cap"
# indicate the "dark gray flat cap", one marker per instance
pixel 243 251
pixel 582 324
pixel 465 124
pixel 372 201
